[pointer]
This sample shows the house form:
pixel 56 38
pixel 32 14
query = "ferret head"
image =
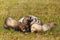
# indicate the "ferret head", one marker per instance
pixel 53 24
pixel 10 22
pixel 27 20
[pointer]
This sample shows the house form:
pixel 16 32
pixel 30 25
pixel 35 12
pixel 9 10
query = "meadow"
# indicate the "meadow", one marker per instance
pixel 47 10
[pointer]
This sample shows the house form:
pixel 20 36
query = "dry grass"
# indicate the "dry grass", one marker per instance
pixel 47 10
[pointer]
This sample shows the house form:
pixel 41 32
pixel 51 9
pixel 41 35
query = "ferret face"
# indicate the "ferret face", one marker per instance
pixel 10 22
pixel 27 20
pixel 52 24
pixel 36 28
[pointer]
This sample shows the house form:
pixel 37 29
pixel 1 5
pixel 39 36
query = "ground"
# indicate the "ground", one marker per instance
pixel 47 10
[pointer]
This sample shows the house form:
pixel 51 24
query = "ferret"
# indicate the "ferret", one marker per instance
pixel 10 23
pixel 29 20
pixel 42 28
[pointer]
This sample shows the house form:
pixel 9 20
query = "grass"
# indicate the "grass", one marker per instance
pixel 47 10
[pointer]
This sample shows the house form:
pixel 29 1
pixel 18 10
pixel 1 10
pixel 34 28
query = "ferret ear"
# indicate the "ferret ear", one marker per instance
pixel 54 23
pixel 9 17
pixel 6 26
